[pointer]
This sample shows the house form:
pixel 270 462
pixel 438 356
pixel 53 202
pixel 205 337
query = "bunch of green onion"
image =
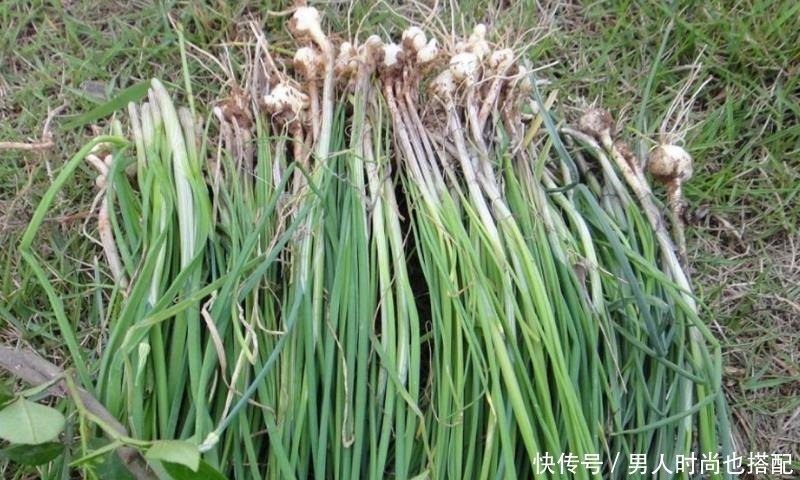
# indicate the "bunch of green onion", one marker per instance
pixel 393 264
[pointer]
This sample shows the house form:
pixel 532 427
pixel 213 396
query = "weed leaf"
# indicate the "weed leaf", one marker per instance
pixel 32 454
pixel 175 451
pixel 30 423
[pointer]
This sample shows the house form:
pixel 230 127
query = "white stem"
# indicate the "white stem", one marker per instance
pixel 313 94
pixel 675 203
pixel 454 125
pixel 414 164
pixel 104 227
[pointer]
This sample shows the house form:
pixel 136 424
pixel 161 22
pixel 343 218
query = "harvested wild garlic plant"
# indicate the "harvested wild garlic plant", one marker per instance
pixel 395 260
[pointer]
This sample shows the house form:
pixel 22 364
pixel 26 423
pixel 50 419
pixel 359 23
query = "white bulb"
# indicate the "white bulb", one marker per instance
pixel 285 97
pixel 415 37
pixel 345 62
pixel 597 123
pixel 501 57
pixel 306 61
pixel 478 32
pixel 670 162
pixel 391 54
pixel 372 45
pixel 428 53
pixel 443 85
pixel 477 41
pixel 306 20
pixel 464 66
pixel 525 84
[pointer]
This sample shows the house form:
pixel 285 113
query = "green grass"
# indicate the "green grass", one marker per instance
pixel 744 200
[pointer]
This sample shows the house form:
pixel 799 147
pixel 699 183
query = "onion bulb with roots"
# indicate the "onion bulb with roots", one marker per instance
pixel 501 58
pixel 414 38
pixel 306 22
pixel 477 43
pixel 464 66
pixel 672 165
pixel 346 64
pixel 428 53
pixel 669 163
pixel 285 99
pixel 392 54
pixel 597 123
pixel 309 63
pixel 369 52
pixel 443 85
pixel 524 84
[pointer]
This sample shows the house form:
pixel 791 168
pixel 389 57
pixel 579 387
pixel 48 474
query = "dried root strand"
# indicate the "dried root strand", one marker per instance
pixel 104 213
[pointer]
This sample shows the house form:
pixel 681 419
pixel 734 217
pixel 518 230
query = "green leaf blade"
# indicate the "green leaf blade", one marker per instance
pixel 29 423
pixel 133 93
pixel 33 454
pixel 204 472
pixel 175 451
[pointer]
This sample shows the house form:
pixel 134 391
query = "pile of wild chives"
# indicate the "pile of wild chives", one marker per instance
pixel 394 263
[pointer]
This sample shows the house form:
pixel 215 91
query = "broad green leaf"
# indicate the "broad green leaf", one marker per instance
pixel 104 461
pixel 114 467
pixel 175 451
pixel 30 423
pixel 6 393
pixel 32 454
pixel 204 472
